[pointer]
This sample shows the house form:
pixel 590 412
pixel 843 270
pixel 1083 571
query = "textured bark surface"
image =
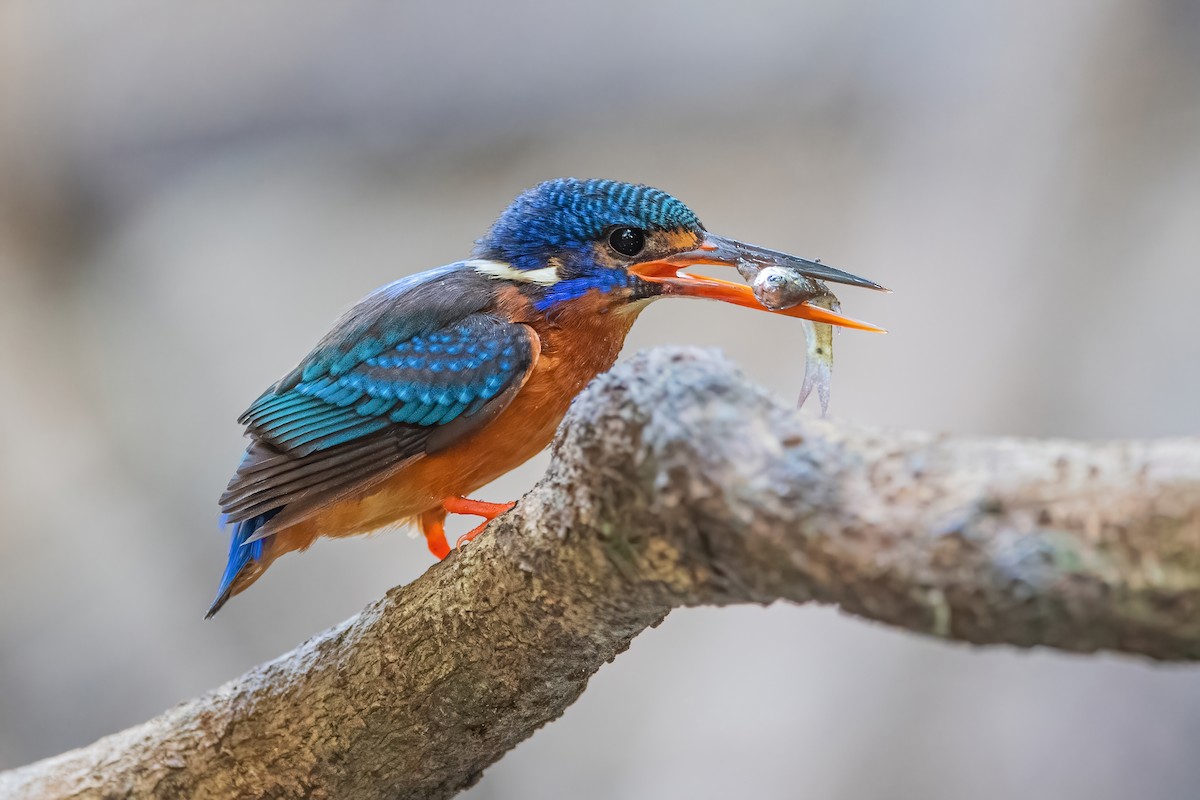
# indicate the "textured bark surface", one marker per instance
pixel 676 483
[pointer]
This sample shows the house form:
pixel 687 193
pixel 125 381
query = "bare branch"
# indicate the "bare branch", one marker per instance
pixel 675 483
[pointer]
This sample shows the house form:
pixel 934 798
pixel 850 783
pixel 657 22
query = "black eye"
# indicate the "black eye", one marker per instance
pixel 627 241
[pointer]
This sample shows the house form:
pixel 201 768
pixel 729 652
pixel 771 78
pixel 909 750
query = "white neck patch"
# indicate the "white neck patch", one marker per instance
pixel 546 276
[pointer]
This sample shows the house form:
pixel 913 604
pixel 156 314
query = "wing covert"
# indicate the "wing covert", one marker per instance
pixel 332 433
pixel 423 381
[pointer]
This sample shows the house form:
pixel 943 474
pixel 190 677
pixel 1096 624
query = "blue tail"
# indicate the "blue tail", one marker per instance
pixel 240 554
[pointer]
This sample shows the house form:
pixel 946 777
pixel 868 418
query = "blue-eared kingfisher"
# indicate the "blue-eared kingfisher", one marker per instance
pixel 437 384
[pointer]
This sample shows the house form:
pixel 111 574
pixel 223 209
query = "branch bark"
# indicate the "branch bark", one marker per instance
pixel 675 483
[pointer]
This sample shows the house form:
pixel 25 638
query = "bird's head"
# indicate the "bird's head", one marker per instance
pixel 566 239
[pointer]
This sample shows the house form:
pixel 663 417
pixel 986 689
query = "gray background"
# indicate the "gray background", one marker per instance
pixel 191 192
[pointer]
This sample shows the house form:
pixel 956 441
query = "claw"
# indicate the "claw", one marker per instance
pixel 471 534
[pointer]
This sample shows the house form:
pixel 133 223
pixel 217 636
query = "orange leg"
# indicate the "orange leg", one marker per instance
pixel 476 508
pixel 432 523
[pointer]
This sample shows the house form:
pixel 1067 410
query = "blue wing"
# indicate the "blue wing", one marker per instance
pixel 423 381
pixel 386 386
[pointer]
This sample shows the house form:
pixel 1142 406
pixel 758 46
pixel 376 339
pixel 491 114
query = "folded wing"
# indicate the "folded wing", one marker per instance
pixel 352 414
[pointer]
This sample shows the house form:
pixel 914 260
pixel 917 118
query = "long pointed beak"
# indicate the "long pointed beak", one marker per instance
pixel 718 251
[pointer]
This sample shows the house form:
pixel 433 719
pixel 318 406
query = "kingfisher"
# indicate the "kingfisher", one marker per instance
pixel 437 384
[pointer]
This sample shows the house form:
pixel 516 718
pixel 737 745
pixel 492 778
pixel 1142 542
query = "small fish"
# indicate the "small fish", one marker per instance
pixel 777 288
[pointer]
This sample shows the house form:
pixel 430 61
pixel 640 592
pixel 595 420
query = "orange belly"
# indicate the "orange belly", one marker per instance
pixel 575 349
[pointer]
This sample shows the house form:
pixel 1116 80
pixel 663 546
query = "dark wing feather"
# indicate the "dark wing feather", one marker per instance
pixel 321 477
pixel 332 428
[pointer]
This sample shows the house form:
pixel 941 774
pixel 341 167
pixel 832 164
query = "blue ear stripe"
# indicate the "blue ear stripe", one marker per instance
pixel 605 281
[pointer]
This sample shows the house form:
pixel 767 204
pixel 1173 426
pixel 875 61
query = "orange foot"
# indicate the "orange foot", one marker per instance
pixel 476 508
pixel 432 522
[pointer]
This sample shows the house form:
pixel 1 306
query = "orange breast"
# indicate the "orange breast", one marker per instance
pixel 582 342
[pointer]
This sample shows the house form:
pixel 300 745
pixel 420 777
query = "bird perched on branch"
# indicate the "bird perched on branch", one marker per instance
pixel 441 382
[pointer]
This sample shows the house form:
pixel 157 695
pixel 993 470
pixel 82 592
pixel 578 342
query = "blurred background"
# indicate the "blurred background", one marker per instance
pixel 191 193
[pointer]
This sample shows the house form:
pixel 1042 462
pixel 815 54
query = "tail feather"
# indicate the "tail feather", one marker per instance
pixel 241 554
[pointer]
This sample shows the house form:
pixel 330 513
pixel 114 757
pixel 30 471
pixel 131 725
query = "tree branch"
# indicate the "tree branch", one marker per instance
pixel 675 483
